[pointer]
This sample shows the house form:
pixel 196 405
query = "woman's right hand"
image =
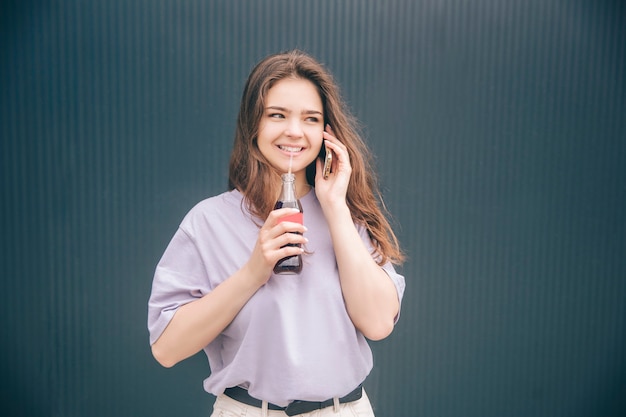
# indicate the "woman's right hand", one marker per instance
pixel 271 245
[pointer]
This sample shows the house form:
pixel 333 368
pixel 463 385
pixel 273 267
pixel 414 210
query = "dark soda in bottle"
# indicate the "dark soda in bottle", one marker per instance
pixel 290 264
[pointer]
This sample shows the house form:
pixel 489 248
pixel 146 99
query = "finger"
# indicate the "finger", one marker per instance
pixel 340 151
pixel 273 227
pixel 275 215
pixel 272 249
pixel 329 134
pixel 333 143
pixel 279 222
pixel 289 227
pixel 287 251
pixel 290 239
pixel 329 137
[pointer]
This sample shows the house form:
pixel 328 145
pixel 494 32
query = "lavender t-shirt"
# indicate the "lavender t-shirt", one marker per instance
pixel 293 340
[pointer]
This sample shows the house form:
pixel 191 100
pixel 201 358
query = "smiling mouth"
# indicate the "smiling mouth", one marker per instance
pixel 289 148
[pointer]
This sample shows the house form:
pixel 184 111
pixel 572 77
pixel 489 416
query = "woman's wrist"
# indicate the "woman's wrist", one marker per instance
pixel 338 212
pixel 252 276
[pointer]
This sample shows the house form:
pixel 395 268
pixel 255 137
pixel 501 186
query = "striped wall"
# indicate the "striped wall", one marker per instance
pixel 499 129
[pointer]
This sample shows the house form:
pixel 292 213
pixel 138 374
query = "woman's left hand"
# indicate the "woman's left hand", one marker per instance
pixel 332 190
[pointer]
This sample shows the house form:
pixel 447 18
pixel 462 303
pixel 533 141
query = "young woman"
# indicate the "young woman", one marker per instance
pixel 283 344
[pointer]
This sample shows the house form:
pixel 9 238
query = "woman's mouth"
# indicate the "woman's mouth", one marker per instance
pixel 290 149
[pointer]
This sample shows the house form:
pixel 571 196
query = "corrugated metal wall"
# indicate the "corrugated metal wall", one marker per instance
pixel 499 128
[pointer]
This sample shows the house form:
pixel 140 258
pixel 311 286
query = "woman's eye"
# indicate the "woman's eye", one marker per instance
pixel 276 116
pixel 312 119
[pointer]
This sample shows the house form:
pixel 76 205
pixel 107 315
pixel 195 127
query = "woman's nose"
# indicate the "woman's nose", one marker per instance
pixel 294 129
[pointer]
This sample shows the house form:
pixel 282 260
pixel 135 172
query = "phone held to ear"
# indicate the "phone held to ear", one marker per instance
pixel 327 158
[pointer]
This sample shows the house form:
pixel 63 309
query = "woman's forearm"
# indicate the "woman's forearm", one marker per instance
pixel 197 323
pixel 370 295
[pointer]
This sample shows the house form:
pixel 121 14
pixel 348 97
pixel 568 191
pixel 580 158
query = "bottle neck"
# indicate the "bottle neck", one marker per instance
pixel 288 191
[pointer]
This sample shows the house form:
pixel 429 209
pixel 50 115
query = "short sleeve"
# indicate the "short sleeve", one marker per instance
pixel 180 277
pixel 396 278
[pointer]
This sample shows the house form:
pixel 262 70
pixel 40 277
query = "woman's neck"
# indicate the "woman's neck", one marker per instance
pixel 303 190
pixel 302 186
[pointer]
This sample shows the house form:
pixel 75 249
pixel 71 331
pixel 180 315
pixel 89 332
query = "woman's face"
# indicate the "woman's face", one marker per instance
pixel 292 125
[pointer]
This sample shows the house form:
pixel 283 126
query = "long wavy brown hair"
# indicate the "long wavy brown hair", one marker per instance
pixel 259 182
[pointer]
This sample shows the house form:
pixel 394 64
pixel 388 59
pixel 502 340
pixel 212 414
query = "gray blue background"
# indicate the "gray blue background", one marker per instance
pixel 499 131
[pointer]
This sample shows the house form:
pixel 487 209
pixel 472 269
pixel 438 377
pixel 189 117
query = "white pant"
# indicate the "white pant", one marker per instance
pixel 227 407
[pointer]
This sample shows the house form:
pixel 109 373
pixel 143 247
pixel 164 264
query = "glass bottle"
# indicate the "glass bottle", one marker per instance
pixel 290 264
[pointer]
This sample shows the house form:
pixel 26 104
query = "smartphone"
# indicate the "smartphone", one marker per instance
pixel 327 157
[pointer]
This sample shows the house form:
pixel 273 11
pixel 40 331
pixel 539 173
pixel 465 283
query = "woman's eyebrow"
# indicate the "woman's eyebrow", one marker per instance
pixel 276 108
pixel 284 109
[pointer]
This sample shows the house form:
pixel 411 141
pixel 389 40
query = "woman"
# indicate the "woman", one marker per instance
pixel 283 344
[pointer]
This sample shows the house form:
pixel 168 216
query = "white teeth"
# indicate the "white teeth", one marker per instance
pixel 290 149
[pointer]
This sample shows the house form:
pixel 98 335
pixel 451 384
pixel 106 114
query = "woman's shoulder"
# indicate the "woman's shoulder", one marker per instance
pixel 226 204
pixel 226 199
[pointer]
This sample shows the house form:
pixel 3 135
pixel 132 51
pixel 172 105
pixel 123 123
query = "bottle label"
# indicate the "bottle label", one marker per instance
pixel 294 218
